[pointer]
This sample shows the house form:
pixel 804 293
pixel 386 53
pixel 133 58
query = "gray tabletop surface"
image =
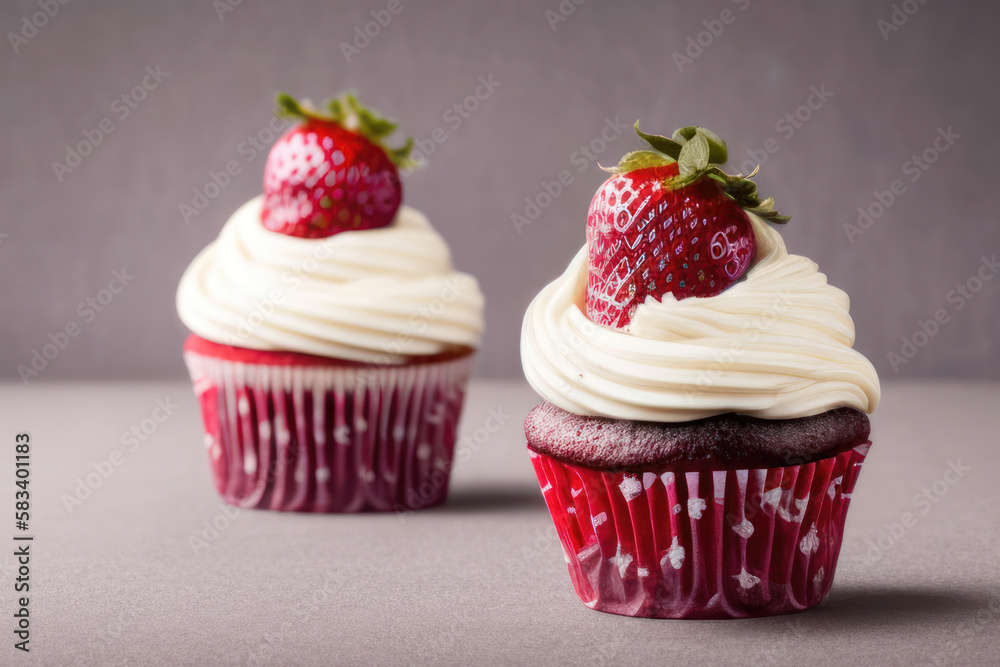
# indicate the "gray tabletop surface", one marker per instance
pixel 116 577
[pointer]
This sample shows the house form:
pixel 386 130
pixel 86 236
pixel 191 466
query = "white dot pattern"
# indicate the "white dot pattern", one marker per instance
pixel 273 444
pixel 738 542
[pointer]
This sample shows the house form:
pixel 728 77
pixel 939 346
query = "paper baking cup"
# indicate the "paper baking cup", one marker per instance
pixel 328 437
pixel 714 544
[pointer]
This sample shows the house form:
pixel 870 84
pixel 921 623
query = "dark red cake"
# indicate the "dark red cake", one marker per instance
pixel 723 517
pixel 726 441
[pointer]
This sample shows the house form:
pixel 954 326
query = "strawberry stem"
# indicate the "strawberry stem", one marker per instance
pixel 346 111
pixel 718 153
pixel 289 107
pixel 638 160
pixel 698 152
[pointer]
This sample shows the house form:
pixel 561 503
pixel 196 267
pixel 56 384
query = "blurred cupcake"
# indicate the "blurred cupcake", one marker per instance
pixel 331 337
pixel 704 420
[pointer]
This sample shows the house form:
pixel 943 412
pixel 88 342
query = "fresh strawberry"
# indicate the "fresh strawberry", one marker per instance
pixel 331 173
pixel 669 221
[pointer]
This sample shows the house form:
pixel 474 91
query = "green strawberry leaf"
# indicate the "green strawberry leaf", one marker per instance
pixel 694 155
pixel 698 152
pixel 717 154
pixel 665 145
pixel 401 156
pixel 289 107
pixel 348 112
pixel 371 124
pixel 638 160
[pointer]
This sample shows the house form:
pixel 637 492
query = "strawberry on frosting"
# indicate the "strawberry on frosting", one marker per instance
pixel 669 221
pixel 328 261
pixel 684 303
pixel 331 173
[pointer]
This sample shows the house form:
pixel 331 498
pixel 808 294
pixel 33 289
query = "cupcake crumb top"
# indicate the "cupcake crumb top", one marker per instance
pixel 729 440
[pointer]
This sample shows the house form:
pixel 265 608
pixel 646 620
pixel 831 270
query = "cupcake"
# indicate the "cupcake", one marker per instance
pixel 331 338
pixel 705 415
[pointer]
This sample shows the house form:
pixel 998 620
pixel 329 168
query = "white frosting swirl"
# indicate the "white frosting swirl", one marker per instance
pixel 776 345
pixel 373 296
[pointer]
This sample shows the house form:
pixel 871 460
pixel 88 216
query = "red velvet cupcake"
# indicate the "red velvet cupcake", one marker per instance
pixel 332 340
pixel 634 502
pixel 705 414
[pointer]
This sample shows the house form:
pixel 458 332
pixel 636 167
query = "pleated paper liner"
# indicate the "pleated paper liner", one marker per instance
pixel 703 545
pixel 328 436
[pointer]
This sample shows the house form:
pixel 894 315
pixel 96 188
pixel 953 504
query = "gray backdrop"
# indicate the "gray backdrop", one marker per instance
pixel 891 83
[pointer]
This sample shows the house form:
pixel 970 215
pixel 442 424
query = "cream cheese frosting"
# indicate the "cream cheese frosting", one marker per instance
pixel 776 345
pixel 372 296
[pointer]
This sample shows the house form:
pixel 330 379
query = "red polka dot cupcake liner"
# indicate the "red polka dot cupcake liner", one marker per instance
pixel 704 545
pixel 294 432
